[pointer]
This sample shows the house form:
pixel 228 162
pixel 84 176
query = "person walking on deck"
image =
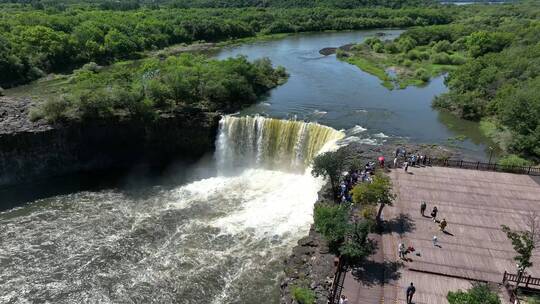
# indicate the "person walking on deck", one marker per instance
pixel 423 207
pixel 434 214
pixel 443 224
pixel 410 293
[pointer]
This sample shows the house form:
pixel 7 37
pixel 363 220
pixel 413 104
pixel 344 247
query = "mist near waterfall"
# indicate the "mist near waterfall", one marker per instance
pixel 219 239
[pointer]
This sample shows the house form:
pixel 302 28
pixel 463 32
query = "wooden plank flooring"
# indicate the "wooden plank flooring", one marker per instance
pixel 475 204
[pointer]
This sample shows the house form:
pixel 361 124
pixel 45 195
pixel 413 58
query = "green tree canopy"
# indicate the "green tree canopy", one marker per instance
pixel 379 191
pixel 329 165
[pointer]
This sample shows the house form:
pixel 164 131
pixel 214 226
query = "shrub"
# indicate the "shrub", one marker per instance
pixel 303 295
pixel 422 74
pixel 53 110
pixel 513 160
pixel 478 294
pixel 379 48
pixel 407 62
pixel 457 59
pixel 391 48
pixel 372 41
pixel 413 55
pixel 442 46
pixel 424 55
pixel 441 58
pixel 417 55
pixel 406 44
pixel 332 223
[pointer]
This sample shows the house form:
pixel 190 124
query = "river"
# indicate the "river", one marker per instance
pixel 198 236
pixel 337 94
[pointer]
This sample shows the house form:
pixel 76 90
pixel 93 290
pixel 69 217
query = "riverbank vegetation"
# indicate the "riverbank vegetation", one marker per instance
pixel 500 81
pixel 491 55
pixel 40 39
pixel 152 86
pixel 422 53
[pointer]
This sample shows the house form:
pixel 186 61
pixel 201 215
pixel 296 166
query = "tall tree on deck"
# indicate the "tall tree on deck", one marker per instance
pixel 524 242
pixel 379 191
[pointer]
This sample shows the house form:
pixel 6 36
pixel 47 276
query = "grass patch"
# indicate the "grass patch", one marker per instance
pixel 372 68
pixel 412 68
pixel 303 295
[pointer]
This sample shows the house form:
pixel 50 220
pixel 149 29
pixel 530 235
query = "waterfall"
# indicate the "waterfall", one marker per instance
pixel 269 143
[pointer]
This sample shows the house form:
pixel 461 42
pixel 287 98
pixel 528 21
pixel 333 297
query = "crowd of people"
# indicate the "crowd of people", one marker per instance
pixel 352 178
pixel 404 159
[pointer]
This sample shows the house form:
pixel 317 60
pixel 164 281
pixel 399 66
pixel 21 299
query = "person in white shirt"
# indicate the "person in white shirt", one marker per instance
pixel 343 300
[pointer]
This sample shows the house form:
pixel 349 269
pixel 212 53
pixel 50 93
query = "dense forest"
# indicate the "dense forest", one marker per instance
pixel 500 81
pixel 34 42
pixel 145 88
pixel 136 4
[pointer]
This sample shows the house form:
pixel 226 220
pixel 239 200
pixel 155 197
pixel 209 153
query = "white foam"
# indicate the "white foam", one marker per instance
pixel 319 113
pixel 356 129
pixel 273 203
pixel 350 139
pixel 381 135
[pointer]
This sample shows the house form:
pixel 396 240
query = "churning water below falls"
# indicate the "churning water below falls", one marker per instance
pixel 216 240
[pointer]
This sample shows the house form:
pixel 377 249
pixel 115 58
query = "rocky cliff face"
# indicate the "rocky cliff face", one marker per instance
pixel 36 150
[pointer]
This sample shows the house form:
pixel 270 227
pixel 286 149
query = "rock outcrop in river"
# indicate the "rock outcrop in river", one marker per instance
pixel 35 150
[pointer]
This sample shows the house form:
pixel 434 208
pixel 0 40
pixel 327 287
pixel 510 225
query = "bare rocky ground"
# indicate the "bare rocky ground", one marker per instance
pixel 14 116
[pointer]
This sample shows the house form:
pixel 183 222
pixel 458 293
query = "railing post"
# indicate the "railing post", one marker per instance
pixel 477 165
pixel 461 163
pixel 528 280
pixel 504 276
pixel 529 171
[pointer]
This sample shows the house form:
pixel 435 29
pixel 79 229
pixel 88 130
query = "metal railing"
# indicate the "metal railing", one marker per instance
pixel 339 279
pixel 485 166
pixel 527 280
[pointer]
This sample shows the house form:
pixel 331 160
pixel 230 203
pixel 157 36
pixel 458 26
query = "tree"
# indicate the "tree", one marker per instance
pixel 118 44
pixel 524 242
pixel 482 42
pixel 357 246
pixel 478 294
pixel 329 165
pixel 332 222
pixel 379 191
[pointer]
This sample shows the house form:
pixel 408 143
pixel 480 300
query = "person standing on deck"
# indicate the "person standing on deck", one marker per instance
pixel 401 250
pixel 423 207
pixel 410 293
